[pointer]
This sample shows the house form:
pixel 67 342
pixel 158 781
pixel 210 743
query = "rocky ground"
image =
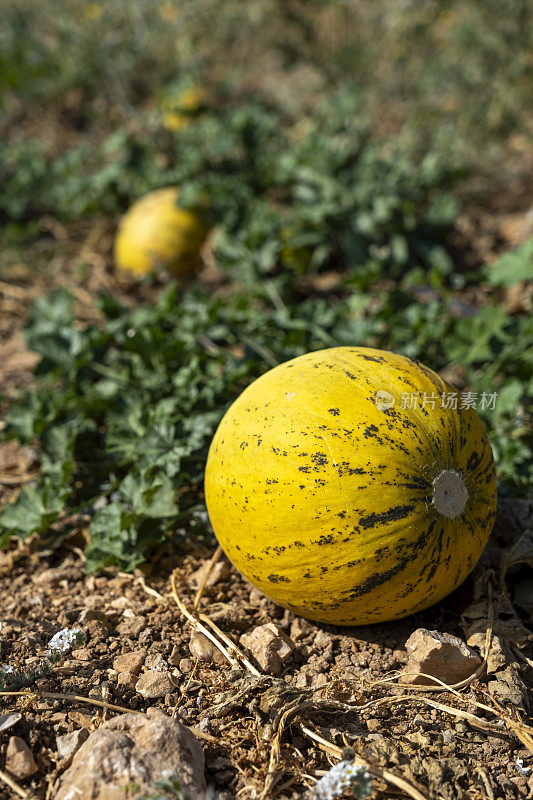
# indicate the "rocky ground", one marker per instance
pixel 296 693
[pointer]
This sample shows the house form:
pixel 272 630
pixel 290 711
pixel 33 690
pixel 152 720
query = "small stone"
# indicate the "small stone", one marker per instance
pixel 131 627
pixel 203 648
pixel 56 574
pixel 399 657
pixel 130 662
pixel 322 640
pixel 128 679
pixel 70 743
pixel 93 615
pixel 508 687
pixel 133 749
pixel 373 725
pixel 79 718
pixel 270 647
pixel 319 680
pixel 320 664
pixel 448 736
pixel 302 680
pixel 120 603
pixel 503 692
pixel 154 684
pixel 305 651
pixel 146 636
pixel 175 657
pixel 256 597
pixel 299 628
pixel 58 718
pixel 185 665
pixel 441 655
pixel 82 654
pixel 220 571
pixel 226 614
pixel 156 662
pixel 20 762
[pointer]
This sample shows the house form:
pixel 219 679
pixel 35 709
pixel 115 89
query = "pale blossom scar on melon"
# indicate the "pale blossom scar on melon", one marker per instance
pixel 450 494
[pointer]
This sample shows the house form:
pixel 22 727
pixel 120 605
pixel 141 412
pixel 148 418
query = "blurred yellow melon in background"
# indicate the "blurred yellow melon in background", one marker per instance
pixel 157 232
pixel 180 110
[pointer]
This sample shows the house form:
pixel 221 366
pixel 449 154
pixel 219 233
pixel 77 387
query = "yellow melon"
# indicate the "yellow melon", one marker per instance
pixel 341 502
pixel 178 112
pixel 156 231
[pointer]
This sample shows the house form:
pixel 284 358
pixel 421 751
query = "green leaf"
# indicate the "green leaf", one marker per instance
pixel 513 267
pixel 113 540
pixel 479 338
pixel 28 514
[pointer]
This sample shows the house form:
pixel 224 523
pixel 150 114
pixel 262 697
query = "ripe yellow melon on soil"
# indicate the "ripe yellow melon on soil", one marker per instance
pixel 340 503
pixel 156 231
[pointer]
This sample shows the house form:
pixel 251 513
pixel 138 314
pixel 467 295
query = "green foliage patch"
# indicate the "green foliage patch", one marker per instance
pixel 125 411
pixel 329 197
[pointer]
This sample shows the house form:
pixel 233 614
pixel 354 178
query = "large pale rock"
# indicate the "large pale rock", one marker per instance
pixel 133 748
pixel 19 759
pixel 441 655
pixel 270 647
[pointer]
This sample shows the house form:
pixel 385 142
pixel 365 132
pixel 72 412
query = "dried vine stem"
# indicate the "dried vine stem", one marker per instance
pixel 249 666
pixel 144 586
pixel 76 697
pixel 520 729
pixel 15 786
pixel 280 723
pixel 384 774
pixel 197 624
pixel 99 703
pixel 214 558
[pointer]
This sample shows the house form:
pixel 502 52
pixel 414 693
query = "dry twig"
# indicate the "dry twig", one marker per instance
pixel 214 558
pixel 384 774
pixel 99 703
pixel 15 787
pixel 144 586
pixel 197 624
pixel 249 666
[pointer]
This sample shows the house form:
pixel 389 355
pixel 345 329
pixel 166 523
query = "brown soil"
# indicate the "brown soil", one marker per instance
pixel 234 714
